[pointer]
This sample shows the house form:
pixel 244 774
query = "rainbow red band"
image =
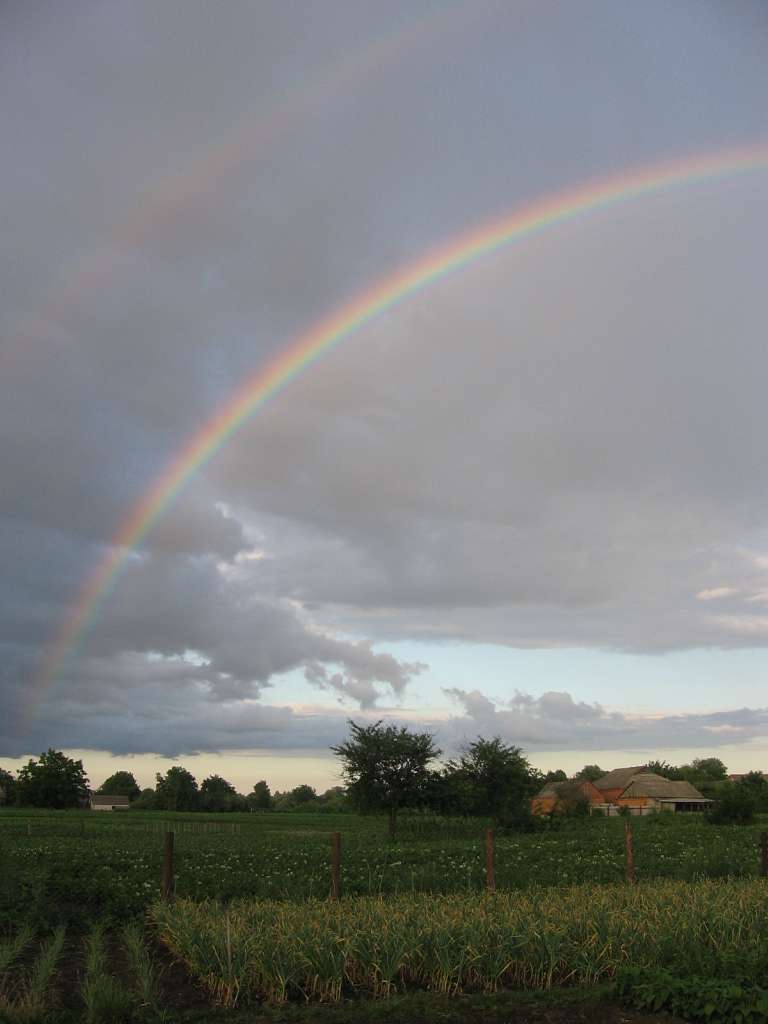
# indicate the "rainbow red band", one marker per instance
pixel 301 353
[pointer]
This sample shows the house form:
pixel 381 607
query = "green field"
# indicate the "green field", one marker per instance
pixel 63 865
pixel 72 882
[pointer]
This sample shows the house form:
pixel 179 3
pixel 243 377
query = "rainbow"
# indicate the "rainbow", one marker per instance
pixel 342 323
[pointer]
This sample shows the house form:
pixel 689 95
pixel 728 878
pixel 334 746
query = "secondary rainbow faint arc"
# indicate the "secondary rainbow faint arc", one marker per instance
pixel 342 322
pixel 254 134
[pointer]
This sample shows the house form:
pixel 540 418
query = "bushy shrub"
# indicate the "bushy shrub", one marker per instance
pixel 521 820
pixel 735 807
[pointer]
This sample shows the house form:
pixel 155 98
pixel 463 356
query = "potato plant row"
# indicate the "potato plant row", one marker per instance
pixel 115 870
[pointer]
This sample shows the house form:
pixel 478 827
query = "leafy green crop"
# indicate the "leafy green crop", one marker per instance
pixel 73 866
pixel 724 1000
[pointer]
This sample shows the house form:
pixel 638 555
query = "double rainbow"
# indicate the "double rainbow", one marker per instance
pixel 341 323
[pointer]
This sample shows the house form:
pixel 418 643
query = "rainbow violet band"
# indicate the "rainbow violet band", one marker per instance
pixel 341 323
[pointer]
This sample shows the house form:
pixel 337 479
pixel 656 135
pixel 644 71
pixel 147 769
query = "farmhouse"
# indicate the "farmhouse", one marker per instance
pixel 636 789
pixel 648 792
pixel 110 803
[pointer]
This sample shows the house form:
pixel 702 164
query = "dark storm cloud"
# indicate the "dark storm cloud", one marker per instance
pixel 559 446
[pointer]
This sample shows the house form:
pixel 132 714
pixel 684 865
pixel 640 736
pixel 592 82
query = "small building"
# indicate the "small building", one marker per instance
pixel 559 797
pixel 648 792
pixel 110 803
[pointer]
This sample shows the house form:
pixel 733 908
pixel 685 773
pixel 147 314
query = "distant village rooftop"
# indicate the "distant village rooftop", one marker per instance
pixel 109 803
pixel 619 777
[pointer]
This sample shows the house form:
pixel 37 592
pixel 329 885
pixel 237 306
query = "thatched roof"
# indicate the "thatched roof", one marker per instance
pixel 619 777
pixel 110 801
pixel 659 788
pixel 567 789
pixel 553 789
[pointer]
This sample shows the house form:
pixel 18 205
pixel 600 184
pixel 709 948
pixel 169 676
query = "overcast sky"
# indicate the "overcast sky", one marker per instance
pixel 529 501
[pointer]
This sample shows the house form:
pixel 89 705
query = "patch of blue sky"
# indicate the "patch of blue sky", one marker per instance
pixel 692 680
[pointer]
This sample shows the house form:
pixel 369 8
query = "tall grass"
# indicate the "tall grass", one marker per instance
pixel 534 940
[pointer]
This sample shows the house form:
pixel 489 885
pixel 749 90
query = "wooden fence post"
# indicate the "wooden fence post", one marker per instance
pixel 335 865
pixel 764 854
pixel 490 875
pixel 168 866
pixel 631 874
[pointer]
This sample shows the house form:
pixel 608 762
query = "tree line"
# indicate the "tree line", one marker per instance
pixel 386 768
pixel 58 782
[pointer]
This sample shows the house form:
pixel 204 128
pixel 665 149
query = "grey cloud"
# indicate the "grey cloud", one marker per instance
pixel 364 670
pixel 176 631
pixel 130 702
pixel 128 706
pixel 242 638
pixel 151 709
pixel 362 691
pixel 557 446
pixel 562 462
pixel 555 721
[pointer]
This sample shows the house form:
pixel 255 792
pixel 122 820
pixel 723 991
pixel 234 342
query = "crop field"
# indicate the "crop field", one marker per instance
pixel 82 931
pixel 536 939
pixel 111 865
